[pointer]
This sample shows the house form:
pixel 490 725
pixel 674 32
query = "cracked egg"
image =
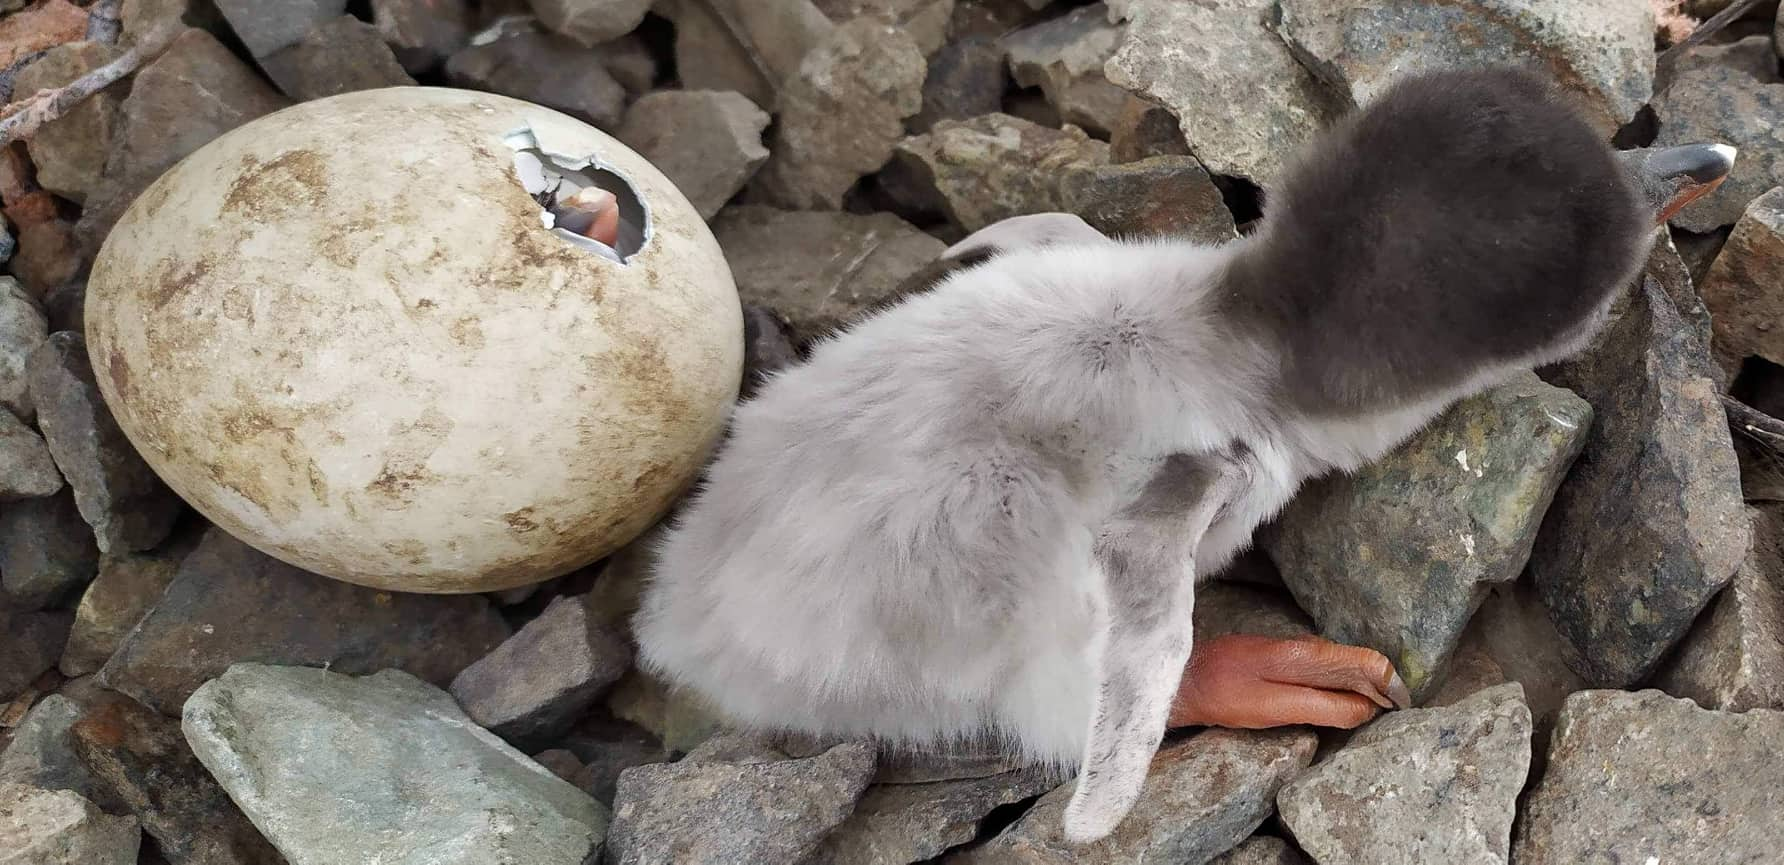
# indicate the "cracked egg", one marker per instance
pixel 419 339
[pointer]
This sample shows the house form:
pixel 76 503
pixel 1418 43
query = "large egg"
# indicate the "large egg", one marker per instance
pixel 350 335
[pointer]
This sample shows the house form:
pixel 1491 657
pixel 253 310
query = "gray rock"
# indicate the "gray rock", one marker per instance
pixel 230 603
pixel 966 78
pixel 680 719
pixel 1261 850
pixel 560 762
pixel 44 827
pixel 422 33
pixel 338 56
pixel 23 328
pixel 1145 129
pixel 767 347
pixel 990 168
pixel 1160 196
pixel 1418 786
pixel 29 642
pixel 1202 797
pixel 1230 608
pixel 1733 659
pixel 819 270
pixel 70 152
pixel 1667 267
pixel 1243 103
pixel 1397 556
pixel 708 143
pixel 696 812
pixel 46 551
pixel 1729 94
pixel 381 768
pixel 1644 777
pixel 1471 670
pixel 1513 630
pixel 1658 465
pixel 1745 286
pixel 896 824
pixel 534 686
pixel 1603 50
pixel 608 746
pixel 8 245
pixel 27 471
pixel 118 494
pixel 42 752
pixel 543 68
pixel 126 588
pixel 750 47
pixel 631 62
pixel 841 115
pixel 267 27
pixel 1064 57
pixel 591 22
pixel 925 21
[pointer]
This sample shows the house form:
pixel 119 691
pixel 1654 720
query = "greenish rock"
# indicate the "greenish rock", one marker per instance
pixel 1398 556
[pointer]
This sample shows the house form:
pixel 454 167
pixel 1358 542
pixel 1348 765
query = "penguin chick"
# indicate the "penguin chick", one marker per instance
pixel 982 511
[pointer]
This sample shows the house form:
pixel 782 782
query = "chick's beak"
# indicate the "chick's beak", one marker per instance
pixel 1672 177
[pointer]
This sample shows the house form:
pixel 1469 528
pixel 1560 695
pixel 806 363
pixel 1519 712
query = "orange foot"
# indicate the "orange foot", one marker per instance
pixel 1253 682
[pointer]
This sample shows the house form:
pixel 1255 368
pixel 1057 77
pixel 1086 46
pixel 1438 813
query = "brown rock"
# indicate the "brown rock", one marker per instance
pixel 925 21
pixel 267 27
pixel 70 152
pixel 1145 129
pixel 895 824
pixel 709 57
pixel 534 686
pixel 1261 850
pixel 990 168
pixel 1162 196
pixel 591 22
pixel 1733 659
pixel 708 143
pixel 1064 57
pixel 339 55
pixel 1745 286
pixel 44 25
pixel 1512 629
pixel 128 586
pixel 49 255
pixel 560 762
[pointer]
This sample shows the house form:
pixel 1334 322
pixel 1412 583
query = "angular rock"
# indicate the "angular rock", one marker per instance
pixel 39 28
pixel 29 642
pixel 709 57
pixel 267 27
pixel 380 768
pixel 1667 267
pixel 1202 796
pixel 631 62
pixel 1644 777
pixel 1261 850
pixel 44 827
pixel 1161 196
pixel 1730 94
pixel 896 824
pixel 535 685
pixel 680 719
pixel 70 152
pixel 118 494
pixel 561 763
pixel 966 78
pixel 1230 608
pixel 1745 286
pixel 1733 659
pixel 608 746
pixel 819 270
pixel 1512 628
pixel 46 551
pixel 708 143
pixel 1658 465
pixel 1242 101
pixel 591 22
pixel 126 588
pixel 1145 129
pixel 27 471
pixel 714 812
pixel 422 33
pixel 543 68
pixel 230 603
pixel 42 752
pixel 337 56
pixel 767 347
pixel 1417 786
pixel 23 328
pixel 49 254
pixel 1397 556
pixel 990 168
pixel 926 21
pixel 1471 670
pixel 1064 57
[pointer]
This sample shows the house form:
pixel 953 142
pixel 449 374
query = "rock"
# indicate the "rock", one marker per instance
pixel 422 33
pixel 1145 129
pixel 712 812
pixel 591 22
pixel 118 494
pixel 42 26
pixel 1733 659
pixel 1230 608
pixel 267 27
pixel 990 168
pixel 631 62
pixel 339 55
pixel 1416 786
pixel 46 551
pixel 679 718
pixel 65 306
pixel 709 143
pixel 313 758
pixel 42 752
pixel 139 759
pixel 230 603
pixel 1622 598
pixel 896 824
pixel 1397 556
pixel 1064 57
pixel 561 763
pixel 1471 670
pixel 23 328
pixel 127 587
pixel 44 827
pixel 1667 268
pixel 1602 50
pixel 767 347
pixel 1647 778
pixel 926 21
pixel 1513 630
pixel 70 152
pixel 1728 94
pixel 27 471
pixel 1261 850
pixel 534 686
pixel 708 57
pixel 1202 796
pixel 1745 286
pixel 29 642
pixel 608 746
pixel 841 115
pixel 49 254
pixel 543 68
pixel 966 79
pixel 1244 105
pixel 8 244
pixel 1162 195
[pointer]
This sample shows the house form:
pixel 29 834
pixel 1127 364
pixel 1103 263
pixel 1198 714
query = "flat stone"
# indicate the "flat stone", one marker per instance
pixel 1243 103
pixel 128 506
pixel 708 143
pixel 712 812
pixel 29 642
pixel 1170 196
pixel 966 78
pixel 1397 556
pixel 1064 57
pixel 543 68
pixel 45 827
pixel 127 587
pixel 1417 786
pixel 337 56
pixel 46 551
pixel 1659 466
pixel 1733 659
pixel 1745 286
pixel 841 115
pixel 608 746
pixel 1644 778
pixel 925 21
pixel 1261 850
pixel 767 347
pixel 267 27
pixel 819 270
pixel 23 327
pixel 1729 94
pixel 314 758
pixel 591 22
pixel 992 167
pixel 896 824
pixel 1145 129
pixel 423 33
pixel 231 603
pixel 1602 50
pixel 533 687
pixel 1201 798
pixel 27 471
pixel 70 151
pixel 42 752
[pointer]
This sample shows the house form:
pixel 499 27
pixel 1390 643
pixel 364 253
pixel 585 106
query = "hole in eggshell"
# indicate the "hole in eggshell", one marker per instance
pixel 587 203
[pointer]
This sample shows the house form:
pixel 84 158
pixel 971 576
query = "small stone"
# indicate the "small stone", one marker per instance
pixel 42 752
pixel 708 143
pixel 1202 796
pixel 591 22
pixel 27 471
pixel 775 811
pixel 926 21
pixel 422 33
pixel 70 152
pixel 118 494
pixel 267 27
pixel 1397 556
pixel 1733 659
pixel 608 746
pixel 128 586
pixel 819 270
pixel 993 167
pixel 534 686
pixel 314 758
pixel 679 718
pixel 231 603
pixel 338 56
pixel 49 254
pixel 841 115
pixel 1261 850
pixel 41 27
pixel 631 62
pixel 543 68
pixel 1244 105
pixel 1145 129
pixel 897 824
pixel 1064 57
pixel 1417 786
pixel 1731 94
pixel 1646 778
pixel 560 762
pixel 966 78
pixel 29 642
pixel 1170 196
pixel 23 328
pixel 767 347
pixel 1745 286
pixel 56 827
pixel 46 551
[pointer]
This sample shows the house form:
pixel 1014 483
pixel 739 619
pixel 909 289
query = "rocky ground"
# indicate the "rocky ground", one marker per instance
pixel 1580 574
